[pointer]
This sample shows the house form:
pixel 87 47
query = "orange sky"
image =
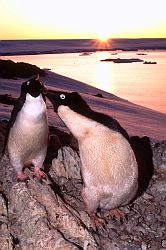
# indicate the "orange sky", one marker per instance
pixel 55 19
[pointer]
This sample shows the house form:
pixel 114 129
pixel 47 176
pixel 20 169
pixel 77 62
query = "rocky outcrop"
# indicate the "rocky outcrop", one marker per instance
pixel 51 214
pixel 122 60
pixel 10 69
pixel 7 99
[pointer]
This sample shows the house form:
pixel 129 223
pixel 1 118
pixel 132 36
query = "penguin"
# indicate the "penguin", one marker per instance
pixel 109 168
pixel 27 134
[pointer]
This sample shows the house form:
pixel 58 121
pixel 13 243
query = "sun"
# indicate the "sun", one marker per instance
pixel 103 40
pixel 103 37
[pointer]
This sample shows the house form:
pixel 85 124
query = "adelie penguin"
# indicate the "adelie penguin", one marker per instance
pixel 109 168
pixel 27 135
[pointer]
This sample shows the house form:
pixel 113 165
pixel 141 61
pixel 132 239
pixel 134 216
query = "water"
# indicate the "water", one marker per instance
pixel 139 83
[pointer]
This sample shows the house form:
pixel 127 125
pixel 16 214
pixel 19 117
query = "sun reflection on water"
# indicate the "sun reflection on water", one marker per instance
pixel 104 74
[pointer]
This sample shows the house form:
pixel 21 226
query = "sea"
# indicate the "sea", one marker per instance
pixel 143 84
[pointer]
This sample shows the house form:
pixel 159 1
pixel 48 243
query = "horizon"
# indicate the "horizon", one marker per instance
pixel 76 19
pixel 116 38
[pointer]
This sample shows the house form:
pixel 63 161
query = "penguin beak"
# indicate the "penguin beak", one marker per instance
pixel 52 97
pixel 37 77
pixel 45 91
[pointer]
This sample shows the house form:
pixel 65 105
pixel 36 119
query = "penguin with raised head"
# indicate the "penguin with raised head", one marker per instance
pixel 109 168
pixel 27 135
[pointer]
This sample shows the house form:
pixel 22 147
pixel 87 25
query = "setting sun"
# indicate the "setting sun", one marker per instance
pixel 103 36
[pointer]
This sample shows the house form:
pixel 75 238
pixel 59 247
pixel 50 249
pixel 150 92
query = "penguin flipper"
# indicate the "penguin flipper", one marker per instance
pixel 17 107
pixel 6 139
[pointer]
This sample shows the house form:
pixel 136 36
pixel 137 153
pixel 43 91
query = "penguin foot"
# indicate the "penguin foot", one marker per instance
pixel 117 214
pixel 21 176
pixel 39 173
pixel 97 221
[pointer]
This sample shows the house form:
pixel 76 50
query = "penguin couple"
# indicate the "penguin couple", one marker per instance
pixel 109 168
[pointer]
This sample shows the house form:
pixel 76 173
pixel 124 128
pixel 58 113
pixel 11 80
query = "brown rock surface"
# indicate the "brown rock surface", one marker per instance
pixel 51 214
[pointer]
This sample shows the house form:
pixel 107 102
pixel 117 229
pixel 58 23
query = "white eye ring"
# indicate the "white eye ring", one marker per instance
pixel 28 82
pixel 62 96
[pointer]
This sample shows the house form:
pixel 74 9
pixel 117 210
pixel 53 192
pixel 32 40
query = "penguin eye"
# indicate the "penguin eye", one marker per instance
pixel 28 82
pixel 62 96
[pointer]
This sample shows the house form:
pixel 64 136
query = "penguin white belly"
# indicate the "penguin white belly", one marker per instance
pixel 109 168
pixel 28 136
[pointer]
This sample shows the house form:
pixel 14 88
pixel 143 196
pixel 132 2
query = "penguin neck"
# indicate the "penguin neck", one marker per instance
pixel 34 106
pixel 78 124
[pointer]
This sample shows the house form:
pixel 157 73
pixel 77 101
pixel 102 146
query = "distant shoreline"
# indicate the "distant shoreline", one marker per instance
pixel 59 46
pixel 65 52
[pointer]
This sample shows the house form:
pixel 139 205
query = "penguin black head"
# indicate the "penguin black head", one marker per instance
pixel 33 87
pixel 73 100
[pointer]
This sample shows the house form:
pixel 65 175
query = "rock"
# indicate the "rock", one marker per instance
pixel 6 240
pixel 7 99
pixel 163 243
pixel 143 246
pixel 67 164
pixel 40 219
pixel 51 215
pixel 10 69
pixel 159 155
pixel 122 60
pixel 99 95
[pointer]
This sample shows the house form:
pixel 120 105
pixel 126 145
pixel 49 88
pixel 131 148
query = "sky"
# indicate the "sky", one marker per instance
pixel 67 19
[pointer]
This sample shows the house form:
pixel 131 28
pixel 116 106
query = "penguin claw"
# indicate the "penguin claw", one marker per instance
pixel 118 215
pixel 21 176
pixel 97 221
pixel 39 173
